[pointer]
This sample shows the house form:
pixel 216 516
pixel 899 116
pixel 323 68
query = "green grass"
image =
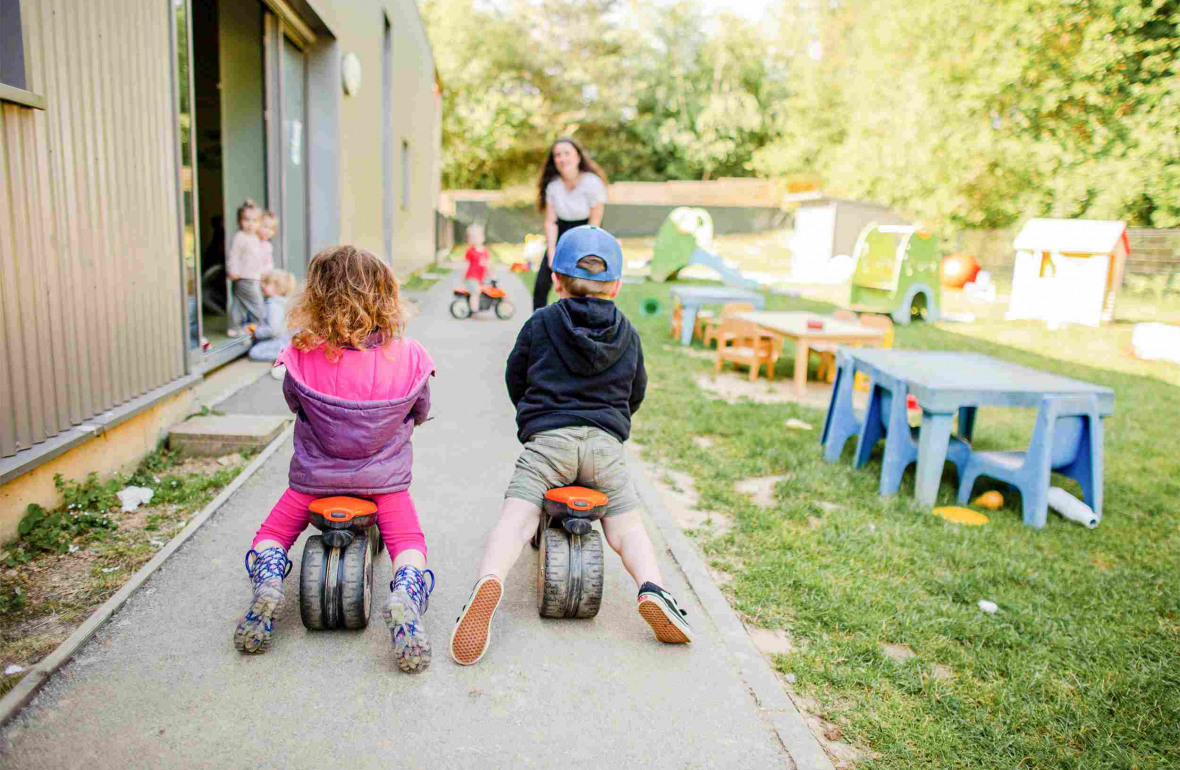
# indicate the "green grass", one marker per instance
pixel 417 281
pixel 1080 668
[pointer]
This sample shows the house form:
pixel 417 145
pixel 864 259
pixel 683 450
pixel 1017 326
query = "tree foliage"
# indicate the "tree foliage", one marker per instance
pixel 654 91
pixel 977 114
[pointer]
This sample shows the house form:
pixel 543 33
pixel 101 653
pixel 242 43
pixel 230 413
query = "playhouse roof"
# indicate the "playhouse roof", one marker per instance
pixel 1072 236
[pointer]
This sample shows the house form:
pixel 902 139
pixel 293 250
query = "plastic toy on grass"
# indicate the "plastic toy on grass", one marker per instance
pixel 570 563
pixel 957 270
pixel 490 296
pixel 336 574
pixel 1068 270
pixel 686 238
pixel 959 515
pixel 896 273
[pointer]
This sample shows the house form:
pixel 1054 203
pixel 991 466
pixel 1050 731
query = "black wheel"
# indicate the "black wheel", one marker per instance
pixel 569 575
pixel 461 308
pixel 504 309
pixel 355 583
pixel 311 583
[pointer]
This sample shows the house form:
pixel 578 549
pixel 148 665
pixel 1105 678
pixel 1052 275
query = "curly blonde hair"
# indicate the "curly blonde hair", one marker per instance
pixel 349 296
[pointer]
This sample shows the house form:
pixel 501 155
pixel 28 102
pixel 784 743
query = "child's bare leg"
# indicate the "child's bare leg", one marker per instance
pixel 626 535
pixel 518 522
pixel 410 558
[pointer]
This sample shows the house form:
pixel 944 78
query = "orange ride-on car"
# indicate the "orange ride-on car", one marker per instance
pixel 490 296
pixel 336 573
pixel 570 569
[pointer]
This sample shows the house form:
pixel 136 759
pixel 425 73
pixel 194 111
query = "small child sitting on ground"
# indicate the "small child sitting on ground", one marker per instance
pixel 576 376
pixel 359 389
pixel 477 264
pixel 270 336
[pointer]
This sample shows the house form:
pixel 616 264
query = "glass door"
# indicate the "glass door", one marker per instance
pixel 293 218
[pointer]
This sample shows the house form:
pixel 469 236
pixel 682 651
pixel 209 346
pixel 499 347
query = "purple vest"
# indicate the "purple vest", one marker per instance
pixel 345 447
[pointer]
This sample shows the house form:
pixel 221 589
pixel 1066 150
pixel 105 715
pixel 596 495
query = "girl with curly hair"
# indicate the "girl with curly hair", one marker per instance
pixel 358 388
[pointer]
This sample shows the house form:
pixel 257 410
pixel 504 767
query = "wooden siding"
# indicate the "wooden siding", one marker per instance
pixel 89 252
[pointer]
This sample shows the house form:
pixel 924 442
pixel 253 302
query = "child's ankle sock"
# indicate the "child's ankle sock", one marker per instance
pixel 266 570
pixel 409 597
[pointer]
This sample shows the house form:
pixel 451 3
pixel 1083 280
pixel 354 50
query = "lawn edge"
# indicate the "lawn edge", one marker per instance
pixel 769 696
pixel 20 696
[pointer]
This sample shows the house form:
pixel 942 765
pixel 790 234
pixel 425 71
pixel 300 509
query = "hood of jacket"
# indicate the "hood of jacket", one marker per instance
pixel 589 334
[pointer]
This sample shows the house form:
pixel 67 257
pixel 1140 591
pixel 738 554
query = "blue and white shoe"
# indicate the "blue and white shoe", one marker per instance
pixel 267 570
pixel 408 599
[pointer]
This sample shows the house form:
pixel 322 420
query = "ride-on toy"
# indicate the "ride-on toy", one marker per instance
pixel 336 576
pixel 490 296
pixel 570 568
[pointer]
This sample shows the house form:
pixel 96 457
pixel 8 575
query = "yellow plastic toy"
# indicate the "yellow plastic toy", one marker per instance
pixel 992 500
pixel 960 515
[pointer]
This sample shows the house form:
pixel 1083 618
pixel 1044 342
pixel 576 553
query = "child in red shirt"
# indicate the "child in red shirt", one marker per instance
pixel 477 264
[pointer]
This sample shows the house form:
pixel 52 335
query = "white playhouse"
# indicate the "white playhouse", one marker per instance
pixel 1068 270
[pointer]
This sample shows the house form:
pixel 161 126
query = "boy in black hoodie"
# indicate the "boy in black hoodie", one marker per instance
pixel 576 376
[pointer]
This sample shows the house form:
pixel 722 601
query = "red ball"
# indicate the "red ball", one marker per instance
pixel 957 270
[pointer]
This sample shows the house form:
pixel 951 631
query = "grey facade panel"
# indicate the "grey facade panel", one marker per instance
pixel 89 266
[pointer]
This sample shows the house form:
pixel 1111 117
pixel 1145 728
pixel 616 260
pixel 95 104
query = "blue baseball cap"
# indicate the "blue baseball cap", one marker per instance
pixel 588 241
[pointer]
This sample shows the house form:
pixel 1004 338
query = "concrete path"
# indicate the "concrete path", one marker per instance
pixel 162 687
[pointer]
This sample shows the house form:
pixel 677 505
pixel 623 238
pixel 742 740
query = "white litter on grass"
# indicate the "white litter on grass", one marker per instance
pixel 790 678
pixel 156 543
pixel 989 607
pixel 13 669
pixel 108 570
pixel 75 548
pixel 133 497
pixel 799 424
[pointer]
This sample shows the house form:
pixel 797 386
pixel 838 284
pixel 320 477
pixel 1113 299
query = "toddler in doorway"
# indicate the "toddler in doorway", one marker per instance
pixel 359 388
pixel 477 263
pixel 248 259
pixel 270 336
pixel 576 376
pixel 268 225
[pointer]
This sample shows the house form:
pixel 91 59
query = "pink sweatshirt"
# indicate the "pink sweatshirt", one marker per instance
pixel 249 257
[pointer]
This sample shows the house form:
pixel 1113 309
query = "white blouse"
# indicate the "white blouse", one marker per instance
pixel 575 204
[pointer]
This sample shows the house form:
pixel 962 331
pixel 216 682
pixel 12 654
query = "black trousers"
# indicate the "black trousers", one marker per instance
pixel 545 274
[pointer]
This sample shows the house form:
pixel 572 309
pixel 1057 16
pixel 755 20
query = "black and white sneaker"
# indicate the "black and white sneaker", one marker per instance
pixel 663 614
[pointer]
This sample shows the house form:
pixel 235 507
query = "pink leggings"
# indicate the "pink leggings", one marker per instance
pixel 396 520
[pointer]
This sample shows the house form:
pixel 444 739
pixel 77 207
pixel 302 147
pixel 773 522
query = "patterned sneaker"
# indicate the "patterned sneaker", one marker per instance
pixel 408 598
pixel 473 627
pixel 267 570
pixel 663 614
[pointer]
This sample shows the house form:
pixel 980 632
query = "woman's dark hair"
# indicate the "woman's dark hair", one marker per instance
pixel 549 171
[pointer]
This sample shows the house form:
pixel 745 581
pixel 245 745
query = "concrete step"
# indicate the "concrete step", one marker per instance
pixel 216 435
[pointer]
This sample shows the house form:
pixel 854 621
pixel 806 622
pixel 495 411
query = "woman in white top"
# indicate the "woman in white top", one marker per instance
pixel 571 192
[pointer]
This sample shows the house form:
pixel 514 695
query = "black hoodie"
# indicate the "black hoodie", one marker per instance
pixel 577 362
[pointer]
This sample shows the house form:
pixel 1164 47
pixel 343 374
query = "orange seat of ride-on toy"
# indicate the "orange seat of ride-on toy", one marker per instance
pixel 495 292
pixel 342 509
pixel 578 498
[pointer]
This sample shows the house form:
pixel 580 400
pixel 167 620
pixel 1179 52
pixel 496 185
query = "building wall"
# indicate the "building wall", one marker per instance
pixel 358 26
pixel 91 306
pixel 89 249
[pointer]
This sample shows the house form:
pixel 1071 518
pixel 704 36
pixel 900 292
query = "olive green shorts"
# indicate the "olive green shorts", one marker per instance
pixel 588 457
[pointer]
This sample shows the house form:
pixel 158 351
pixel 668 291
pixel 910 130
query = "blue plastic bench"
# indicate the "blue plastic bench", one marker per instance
pixel 1067 439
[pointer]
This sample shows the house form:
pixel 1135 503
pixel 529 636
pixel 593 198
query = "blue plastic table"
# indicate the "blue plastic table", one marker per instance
pixel 947 384
pixel 694 297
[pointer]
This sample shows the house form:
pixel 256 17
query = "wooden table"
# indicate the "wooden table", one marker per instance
pixel 695 297
pixel 794 325
pixel 947 383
